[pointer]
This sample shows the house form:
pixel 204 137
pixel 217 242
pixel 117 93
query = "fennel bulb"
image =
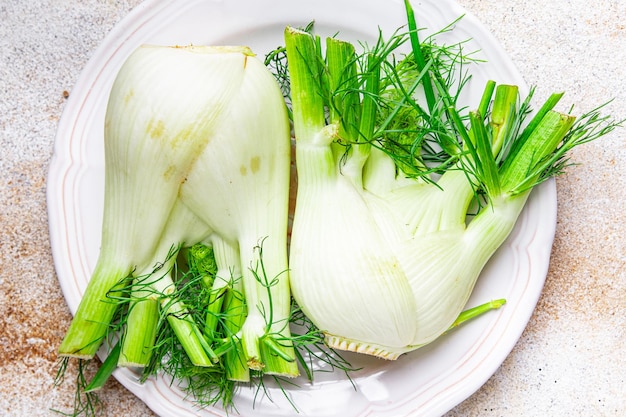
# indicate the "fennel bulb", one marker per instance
pixel 197 149
pixel 383 259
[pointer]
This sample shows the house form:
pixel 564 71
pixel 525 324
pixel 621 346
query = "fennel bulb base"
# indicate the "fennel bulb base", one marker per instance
pixel 372 349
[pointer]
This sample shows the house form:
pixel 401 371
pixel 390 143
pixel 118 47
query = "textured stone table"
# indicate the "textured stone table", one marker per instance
pixel 570 360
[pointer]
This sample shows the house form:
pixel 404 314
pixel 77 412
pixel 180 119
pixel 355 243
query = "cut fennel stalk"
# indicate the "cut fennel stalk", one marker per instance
pixel 383 259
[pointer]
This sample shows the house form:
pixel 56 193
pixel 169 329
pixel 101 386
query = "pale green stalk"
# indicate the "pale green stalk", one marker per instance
pixel 227 309
pixel 138 343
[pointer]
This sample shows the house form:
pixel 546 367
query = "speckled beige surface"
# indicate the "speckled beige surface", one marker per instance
pixel 570 360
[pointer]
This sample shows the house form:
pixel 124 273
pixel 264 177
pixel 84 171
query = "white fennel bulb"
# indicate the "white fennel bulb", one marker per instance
pixel 385 251
pixel 197 147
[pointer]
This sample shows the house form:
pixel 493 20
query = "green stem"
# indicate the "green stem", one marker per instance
pixel 307 79
pixel 485 100
pixel 519 171
pixel 188 333
pixel 269 306
pixel 343 88
pixel 235 313
pixel 91 324
pixel 484 161
pixel 179 317
pixel 369 102
pixel 474 312
pixel 419 57
pixel 105 370
pixel 140 332
pixel 313 154
pixel 227 309
pixel 503 115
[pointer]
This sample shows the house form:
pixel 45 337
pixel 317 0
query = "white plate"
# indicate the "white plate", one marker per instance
pixel 427 382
